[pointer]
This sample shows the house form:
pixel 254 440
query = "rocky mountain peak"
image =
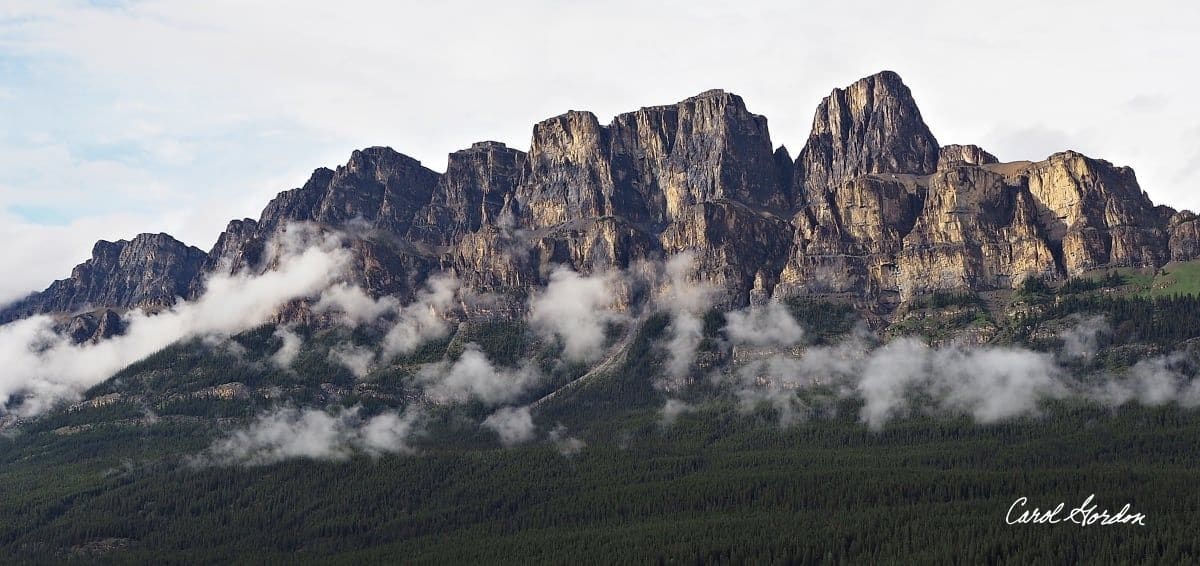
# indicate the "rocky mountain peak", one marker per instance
pixel 870 126
pixel 378 185
pixel 473 191
pixel 149 271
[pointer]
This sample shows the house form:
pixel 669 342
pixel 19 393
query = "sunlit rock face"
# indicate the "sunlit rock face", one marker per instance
pixel 872 126
pixel 1184 233
pixel 1097 213
pixel 872 207
pixel 951 155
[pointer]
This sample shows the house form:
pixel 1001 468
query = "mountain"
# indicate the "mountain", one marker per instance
pixel 749 357
pixel 872 207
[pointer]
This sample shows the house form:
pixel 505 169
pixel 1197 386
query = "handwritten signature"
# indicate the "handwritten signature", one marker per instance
pixel 1084 515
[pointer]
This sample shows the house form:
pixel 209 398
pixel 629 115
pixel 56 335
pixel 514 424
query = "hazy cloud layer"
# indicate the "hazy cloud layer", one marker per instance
pixel 566 444
pixel 1083 339
pixel 906 377
pixel 672 409
pixel 1153 381
pixel 686 298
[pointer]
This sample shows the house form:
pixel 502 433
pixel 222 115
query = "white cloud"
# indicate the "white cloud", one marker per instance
pixel 48 367
pixel 289 349
pixel 566 444
pixel 357 359
pixel 353 305
pixel 1152 381
pixel 766 325
pixel 672 410
pixel 576 310
pixel 686 298
pixel 422 320
pixel 514 425
pixel 990 384
pixel 314 434
pixel 1083 339
pixel 472 376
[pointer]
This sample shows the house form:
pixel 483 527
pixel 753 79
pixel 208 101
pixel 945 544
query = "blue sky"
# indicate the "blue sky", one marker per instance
pixel 120 117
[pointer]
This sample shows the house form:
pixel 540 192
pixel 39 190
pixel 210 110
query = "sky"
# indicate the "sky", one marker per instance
pixel 121 117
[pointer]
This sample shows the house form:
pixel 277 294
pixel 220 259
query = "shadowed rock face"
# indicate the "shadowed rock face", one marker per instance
pixel 472 192
pixel 93 326
pixel 378 186
pixel 871 207
pixel 150 271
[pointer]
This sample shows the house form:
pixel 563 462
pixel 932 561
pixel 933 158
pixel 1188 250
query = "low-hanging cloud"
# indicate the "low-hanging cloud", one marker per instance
pixel 685 298
pixel 514 425
pixel 566 444
pixel 315 434
pixel 289 349
pixel 422 320
pixel 1082 340
pixel 765 325
pixel 473 377
pixel 907 376
pixel 577 310
pixel 990 384
pixel 411 325
pixel 1152 382
pixel 44 367
pixel 353 306
pixel 671 410
pixel 358 359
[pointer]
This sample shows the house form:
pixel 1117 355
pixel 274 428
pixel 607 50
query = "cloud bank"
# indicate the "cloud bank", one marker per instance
pixel 906 377
pixel 43 367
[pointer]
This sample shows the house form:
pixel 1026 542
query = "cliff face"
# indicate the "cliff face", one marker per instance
pixel 871 207
pixel 651 165
pixel 149 271
pixel 477 183
pixel 871 126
